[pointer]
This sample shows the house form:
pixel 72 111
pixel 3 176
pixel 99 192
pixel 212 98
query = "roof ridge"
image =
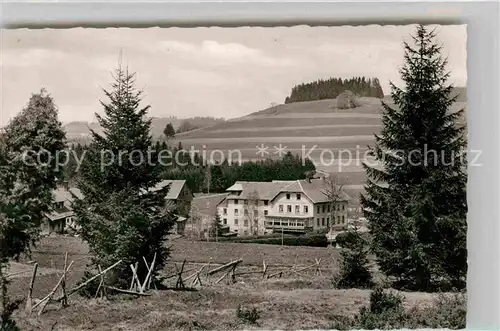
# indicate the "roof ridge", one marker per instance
pixel 300 185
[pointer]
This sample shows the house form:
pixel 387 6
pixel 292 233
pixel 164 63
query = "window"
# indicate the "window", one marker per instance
pixel 224 221
pixel 280 208
pixel 245 202
pixel 317 221
pixel 235 202
pixel 318 210
pixel 285 224
pixel 343 219
pixel 324 208
pixel 266 202
pixel 236 212
pixel 265 212
pixel 297 209
pixel 245 222
pixel 298 196
pixel 306 209
pixel 289 208
pixel 246 211
pixel 235 221
pixel 224 211
pixel 328 221
pixel 338 219
pixel 288 196
pixel 277 223
pixel 323 221
pixel 328 208
pixel 343 207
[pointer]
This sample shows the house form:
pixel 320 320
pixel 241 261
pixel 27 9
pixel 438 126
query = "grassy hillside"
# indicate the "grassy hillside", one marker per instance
pixel 336 139
pixel 287 303
pixel 81 129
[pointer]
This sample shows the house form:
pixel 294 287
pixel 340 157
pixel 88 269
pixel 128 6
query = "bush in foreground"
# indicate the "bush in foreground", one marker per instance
pixel 315 240
pixel 354 271
pixel 248 315
pixel 386 311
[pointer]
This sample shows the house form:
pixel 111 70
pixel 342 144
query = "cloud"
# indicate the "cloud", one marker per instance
pixel 176 46
pixel 29 57
pixel 221 53
pixel 229 51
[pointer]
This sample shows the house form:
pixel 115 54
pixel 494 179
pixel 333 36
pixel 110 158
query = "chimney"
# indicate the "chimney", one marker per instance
pixel 65 185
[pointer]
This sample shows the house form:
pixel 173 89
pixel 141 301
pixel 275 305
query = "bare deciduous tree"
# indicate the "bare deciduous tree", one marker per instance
pixel 252 212
pixel 332 189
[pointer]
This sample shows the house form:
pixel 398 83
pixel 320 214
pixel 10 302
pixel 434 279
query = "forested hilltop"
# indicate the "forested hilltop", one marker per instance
pixel 331 88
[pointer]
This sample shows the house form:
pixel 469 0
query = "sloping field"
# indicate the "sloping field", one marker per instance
pixel 289 303
pixel 335 139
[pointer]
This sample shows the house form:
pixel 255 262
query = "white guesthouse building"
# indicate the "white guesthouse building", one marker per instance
pixel 291 206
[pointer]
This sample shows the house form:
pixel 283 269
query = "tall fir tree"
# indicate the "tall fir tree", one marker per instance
pixel 418 219
pixel 120 216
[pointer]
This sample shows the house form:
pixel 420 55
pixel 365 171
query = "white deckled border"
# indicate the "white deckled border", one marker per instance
pixel 483 86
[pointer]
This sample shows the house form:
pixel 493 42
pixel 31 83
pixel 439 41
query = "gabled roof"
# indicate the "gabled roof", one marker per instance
pixel 235 187
pixel 76 191
pixel 207 204
pixel 313 189
pixel 174 190
pixel 263 190
pixel 59 214
pixel 61 195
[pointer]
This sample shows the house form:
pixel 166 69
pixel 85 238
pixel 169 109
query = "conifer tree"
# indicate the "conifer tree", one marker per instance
pixel 28 173
pixel 354 271
pixel 120 216
pixel 169 131
pixel 418 219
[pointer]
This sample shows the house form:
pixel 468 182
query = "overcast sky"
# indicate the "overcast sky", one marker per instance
pixel 222 72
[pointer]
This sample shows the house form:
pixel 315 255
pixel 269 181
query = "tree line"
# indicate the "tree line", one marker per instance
pixel 202 177
pixel 333 87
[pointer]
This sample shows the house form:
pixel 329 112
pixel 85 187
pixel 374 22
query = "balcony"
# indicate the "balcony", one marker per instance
pixel 288 224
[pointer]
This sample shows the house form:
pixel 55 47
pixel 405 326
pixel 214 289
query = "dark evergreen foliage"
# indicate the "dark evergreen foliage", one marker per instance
pixel 169 131
pixel 29 146
pixel 354 271
pixel 120 217
pixel 333 87
pixel 418 220
pixel 224 175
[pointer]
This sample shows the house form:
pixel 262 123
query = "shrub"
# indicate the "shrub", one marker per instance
pixel 448 312
pixel 386 311
pixel 354 270
pixel 340 322
pixel 248 315
pixel 312 240
pixel 347 100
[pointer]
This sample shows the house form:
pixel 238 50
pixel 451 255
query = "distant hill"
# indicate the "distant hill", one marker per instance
pixel 336 139
pixel 80 130
pixel 331 88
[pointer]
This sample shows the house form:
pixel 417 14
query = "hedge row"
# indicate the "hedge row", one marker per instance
pixel 316 240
